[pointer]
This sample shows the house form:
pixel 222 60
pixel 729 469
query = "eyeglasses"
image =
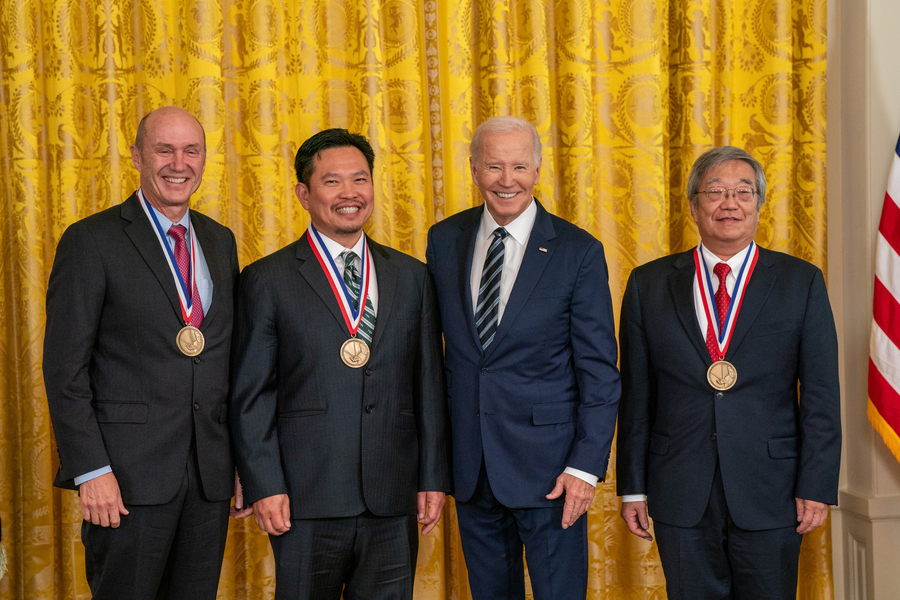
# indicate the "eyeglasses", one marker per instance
pixel 718 193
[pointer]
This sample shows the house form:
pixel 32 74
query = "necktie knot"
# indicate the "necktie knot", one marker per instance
pixel 722 270
pixel 177 232
pixel 501 233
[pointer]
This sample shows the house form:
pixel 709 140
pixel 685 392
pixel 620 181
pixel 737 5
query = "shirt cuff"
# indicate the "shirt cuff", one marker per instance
pixel 634 498
pixel 93 474
pixel 582 475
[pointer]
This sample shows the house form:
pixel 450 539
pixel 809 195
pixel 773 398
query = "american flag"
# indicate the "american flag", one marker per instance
pixel 884 350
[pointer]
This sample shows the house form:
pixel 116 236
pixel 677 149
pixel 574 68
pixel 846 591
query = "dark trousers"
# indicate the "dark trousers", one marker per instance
pixel 493 537
pixel 716 559
pixel 364 558
pixel 170 551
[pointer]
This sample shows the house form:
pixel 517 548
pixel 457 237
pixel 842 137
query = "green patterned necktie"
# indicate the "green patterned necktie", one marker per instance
pixel 351 279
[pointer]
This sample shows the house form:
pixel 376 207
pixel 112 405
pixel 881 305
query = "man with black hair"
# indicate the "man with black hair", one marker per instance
pixel 338 407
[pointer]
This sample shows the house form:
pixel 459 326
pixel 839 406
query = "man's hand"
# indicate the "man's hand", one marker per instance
pixel 101 501
pixel 635 515
pixel 579 495
pixel 810 514
pixel 273 514
pixel 239 511
pixel 429 506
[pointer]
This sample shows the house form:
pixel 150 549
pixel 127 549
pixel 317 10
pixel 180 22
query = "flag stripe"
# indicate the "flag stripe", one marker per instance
pixel 884 344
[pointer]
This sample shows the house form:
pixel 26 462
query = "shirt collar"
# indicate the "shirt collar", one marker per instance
pixel 520 227
pixel 334 248
pixel 734 262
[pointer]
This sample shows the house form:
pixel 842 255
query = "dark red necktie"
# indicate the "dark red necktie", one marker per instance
pixel 722 301
pixel 184 265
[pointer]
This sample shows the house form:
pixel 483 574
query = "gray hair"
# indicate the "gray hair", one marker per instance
pixel 719 156
pixel 502 125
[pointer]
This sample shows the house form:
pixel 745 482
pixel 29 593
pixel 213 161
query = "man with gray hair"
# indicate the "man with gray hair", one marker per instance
pixel 531 373
pixel 733 464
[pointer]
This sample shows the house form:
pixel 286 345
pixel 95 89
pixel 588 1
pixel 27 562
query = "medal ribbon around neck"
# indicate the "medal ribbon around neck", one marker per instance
pixel 184 296
pixel 352 316
pixel 723 337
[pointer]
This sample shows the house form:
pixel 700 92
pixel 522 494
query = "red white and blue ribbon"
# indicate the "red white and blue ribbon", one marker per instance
pixel 723 336
pixel 181 286
pixel 352 316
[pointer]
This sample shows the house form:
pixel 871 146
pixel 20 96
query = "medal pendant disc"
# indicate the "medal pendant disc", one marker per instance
pixel 355 352
pixel 190 341
pixel 721 375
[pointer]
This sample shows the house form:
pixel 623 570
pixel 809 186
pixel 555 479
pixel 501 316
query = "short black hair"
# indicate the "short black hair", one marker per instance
pixel 304 163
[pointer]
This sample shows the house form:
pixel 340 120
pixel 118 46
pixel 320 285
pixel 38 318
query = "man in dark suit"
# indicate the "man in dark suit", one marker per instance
pixel 140 420
pixel 531 373
pixel 338 406
pixel 712 437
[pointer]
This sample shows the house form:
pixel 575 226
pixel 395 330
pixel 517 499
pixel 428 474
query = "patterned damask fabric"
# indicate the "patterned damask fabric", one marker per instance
pixel 625 94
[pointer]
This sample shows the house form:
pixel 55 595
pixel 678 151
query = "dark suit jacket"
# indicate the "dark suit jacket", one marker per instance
pixel 544 395
pixel 336 439
pixel 673 426
pixel 120 391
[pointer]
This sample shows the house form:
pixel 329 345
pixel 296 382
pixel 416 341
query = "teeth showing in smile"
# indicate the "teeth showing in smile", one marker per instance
pixel 348 209
pixel 175 179
pixel 502 195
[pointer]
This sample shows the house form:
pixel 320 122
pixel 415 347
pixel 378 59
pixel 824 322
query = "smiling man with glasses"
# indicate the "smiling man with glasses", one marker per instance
pixel 714 441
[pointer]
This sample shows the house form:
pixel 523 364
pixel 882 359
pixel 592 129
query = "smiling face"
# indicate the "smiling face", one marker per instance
pixel 728 225
pixel 340 194
pixel 505 171
pixel 170 160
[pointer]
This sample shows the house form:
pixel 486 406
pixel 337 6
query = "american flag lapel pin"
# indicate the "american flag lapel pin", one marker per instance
pixel 542 249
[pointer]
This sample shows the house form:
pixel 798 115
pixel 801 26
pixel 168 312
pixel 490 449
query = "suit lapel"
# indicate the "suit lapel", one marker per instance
pixel 312 272
pixel 465 249
pixel 140 231
pixel 215 266
pixel 755 295
pixel 681 286
pixel 386 275
pixel 543 235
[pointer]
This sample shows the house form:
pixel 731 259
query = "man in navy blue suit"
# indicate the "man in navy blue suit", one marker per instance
pixel 531 373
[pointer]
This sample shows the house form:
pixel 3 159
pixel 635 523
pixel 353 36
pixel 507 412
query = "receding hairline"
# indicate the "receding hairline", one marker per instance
pixel 160 112
pixel 502 125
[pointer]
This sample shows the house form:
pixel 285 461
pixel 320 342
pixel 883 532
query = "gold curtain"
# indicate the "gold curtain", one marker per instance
pixel 625 94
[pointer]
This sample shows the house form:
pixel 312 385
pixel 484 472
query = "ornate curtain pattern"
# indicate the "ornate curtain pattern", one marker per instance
pixel 625 94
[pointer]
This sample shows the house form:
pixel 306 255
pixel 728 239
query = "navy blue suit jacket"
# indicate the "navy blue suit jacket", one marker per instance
pixel 772 446
pixel 544 395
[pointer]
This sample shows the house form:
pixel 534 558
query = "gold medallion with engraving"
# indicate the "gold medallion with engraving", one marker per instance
pixel 355 352
pixel 190 341
pixel 721 375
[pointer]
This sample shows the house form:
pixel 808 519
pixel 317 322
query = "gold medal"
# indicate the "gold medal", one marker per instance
pixel 721 375
pixel 190 341
pixel 355 352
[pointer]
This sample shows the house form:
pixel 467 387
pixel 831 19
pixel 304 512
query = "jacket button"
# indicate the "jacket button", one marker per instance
pixel 368 370
pixel 719 395
pixel 370 408
pixel 712 436
pixel 196 406
pixel 196 360
pixel 484 371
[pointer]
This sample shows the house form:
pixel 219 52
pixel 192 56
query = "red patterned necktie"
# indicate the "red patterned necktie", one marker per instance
pixel 176 232
pixel 722 301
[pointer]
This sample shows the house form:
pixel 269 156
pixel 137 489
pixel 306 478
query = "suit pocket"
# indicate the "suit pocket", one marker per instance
pixel 552 413
pixel 407 420
pixel 783 447
pixel 551 291
pixel 770 328
pixel 122 412
pixel 659 444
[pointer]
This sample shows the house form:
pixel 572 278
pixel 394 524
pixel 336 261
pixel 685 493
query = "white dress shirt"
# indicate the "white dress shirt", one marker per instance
pixel 711 260
pixel 513 251
pixel 334 250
